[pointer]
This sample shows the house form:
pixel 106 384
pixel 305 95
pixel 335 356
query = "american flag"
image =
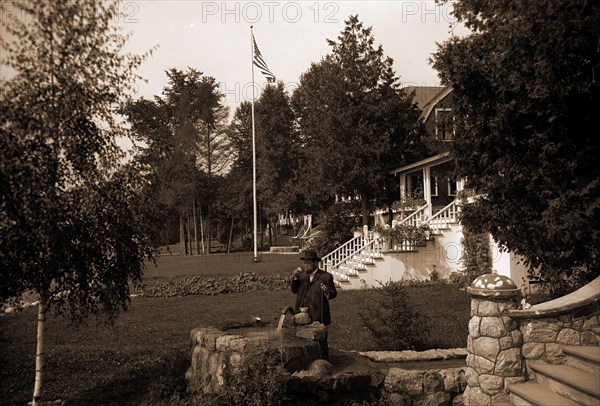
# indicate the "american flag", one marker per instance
pixel 260 63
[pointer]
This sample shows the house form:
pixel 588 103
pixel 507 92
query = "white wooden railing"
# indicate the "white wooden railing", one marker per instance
pixel 417 217
pixel 366 242
pixel 406 245
pixel 444 217
pixel 369 244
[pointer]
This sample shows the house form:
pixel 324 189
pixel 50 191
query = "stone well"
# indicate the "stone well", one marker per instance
pixel 349 376
pixel 216 352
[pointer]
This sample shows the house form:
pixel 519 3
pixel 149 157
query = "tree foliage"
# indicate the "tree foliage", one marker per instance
pixel 184 143
pixel 71 227
pixel 239 178
pixel 276 144
pixel 354 120
pixel 476 258
pixel 526 86
pixel 336 225
pixel 277 149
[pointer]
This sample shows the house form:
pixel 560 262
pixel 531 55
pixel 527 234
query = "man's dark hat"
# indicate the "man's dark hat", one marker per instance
pixel 310 255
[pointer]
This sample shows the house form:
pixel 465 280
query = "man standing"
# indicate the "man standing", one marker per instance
pixel 314 288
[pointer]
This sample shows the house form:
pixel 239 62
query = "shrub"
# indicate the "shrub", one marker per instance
pixel 476 255
pixel 393 321
pixel 460 279
pixel 258 380
pixel 171 381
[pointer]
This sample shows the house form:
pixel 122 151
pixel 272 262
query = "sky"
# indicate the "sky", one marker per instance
pixel 214 37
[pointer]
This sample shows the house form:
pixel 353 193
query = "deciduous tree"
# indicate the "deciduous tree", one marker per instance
pixel 72 228
pixel 527 94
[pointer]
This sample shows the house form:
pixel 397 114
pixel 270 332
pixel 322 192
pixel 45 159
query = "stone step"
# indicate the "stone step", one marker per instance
pixel 340 274
pixel 374 255
pixel 363 259
pixel 347 271
pixel 534 394
pixel 356 264
pixel 586 358
pixel 569 382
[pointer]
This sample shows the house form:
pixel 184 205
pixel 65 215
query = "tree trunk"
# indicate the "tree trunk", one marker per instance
pixel 39 354
pixel 208 226
pixel 181 236
pixel 260 230
pixel 189 237
pixel 270 222
pixel 201 230
pixel 243 234
pixel 230 236
pixel 364 210
pixel 209 171
pixel 195 226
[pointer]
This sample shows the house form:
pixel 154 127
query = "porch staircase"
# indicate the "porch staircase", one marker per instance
pixel 577 382
pixel 353 257
pixel 356 256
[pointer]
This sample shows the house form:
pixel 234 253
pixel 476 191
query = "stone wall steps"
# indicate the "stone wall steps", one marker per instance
pixel 534 394
pixel 570 382
pixel 586 358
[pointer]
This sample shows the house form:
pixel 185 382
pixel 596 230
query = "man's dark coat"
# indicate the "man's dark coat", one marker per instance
pixel 309 294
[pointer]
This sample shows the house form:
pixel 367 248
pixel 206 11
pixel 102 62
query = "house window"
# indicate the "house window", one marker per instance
pixel 444 124
pixel 452 189
pixel 434 186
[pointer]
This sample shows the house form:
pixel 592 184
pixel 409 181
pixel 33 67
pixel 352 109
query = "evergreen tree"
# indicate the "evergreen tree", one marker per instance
pixel 184 145
pixel 277 152
pixel 355 122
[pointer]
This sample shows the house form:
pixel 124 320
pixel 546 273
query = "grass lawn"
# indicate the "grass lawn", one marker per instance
pixel 143 357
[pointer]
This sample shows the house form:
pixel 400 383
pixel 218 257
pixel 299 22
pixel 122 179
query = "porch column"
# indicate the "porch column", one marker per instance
pixel 402 186
pixel 427 189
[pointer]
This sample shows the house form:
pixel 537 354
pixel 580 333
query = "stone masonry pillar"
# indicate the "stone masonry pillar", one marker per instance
pixel 494 358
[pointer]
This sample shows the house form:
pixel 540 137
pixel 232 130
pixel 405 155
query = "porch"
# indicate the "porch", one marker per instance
pixel 427 187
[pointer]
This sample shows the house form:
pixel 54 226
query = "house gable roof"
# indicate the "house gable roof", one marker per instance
pixel 423 94
pixel 428 108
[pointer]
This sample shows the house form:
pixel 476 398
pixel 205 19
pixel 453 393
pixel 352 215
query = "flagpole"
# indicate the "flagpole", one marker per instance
pixel 253 151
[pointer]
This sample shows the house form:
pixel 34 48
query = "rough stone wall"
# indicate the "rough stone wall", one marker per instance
pixel 542 337
pixel 505 341
pixel 215 352
pixel 429 387
pixel 494 354
pixel 394 386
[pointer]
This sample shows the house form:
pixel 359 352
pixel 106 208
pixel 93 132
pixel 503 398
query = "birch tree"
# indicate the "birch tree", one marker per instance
pixel 71 226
